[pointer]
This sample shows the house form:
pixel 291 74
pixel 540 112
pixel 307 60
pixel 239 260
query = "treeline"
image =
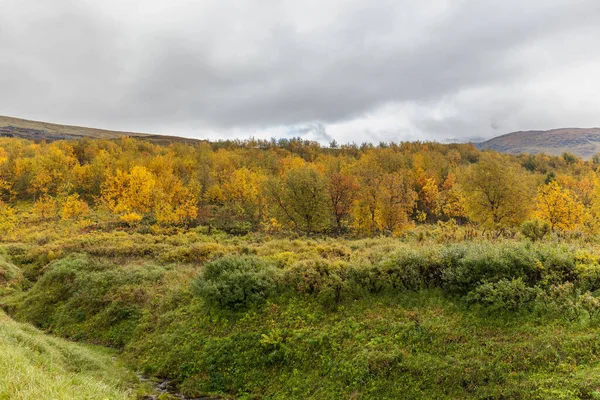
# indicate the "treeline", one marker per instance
pixel 295 184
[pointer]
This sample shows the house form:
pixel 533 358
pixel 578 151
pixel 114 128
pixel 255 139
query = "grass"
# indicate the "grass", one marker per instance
pixel 34 365
pixel 412 346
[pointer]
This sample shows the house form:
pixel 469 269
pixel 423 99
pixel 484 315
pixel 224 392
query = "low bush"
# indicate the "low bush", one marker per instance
pixel 504 295
pixel 10 274
pixel 535 229
pixel 590 304
pixel 194 253
pixel 562 300
pixel 236 282
pixel 329 282
pixel 406 270
pixel 558 264
pixel 588 276
pixel 467 266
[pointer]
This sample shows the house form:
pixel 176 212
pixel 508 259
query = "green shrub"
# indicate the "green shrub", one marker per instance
pixel 590 304
pixel 10 275
pixel 235 282
pixel 404 270
pixel 467 266
pixel 535 229
pixel 329 282
pixel 283 259
pixel 562 300
pixel 588 276
pixel 510 295
pixel 239 228
pixel 194 253
pixel 333 251
pixel 559 265
pixel 566 301
pixel 410 270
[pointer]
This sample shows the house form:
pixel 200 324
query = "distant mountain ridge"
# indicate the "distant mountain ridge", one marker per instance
pixel 38 131
pixel 583 142
pixel 579 141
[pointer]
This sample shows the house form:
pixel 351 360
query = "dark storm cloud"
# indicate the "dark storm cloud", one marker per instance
pixel 350 70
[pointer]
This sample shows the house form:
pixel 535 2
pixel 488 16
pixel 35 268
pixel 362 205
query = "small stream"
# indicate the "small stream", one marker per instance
pixel 165 386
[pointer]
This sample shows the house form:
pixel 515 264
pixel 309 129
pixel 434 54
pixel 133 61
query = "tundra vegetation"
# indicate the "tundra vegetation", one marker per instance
pixel 282 269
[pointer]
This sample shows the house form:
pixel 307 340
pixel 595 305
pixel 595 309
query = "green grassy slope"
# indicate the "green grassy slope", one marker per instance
pixel 34 365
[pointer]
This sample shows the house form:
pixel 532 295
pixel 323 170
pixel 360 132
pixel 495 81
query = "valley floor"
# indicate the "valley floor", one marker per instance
pixel 276 318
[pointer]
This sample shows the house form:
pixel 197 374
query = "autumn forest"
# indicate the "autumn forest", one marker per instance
pixel 296 185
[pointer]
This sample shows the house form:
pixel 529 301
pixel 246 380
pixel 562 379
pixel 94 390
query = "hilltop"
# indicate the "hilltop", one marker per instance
pixel 583 142
pixel 44 131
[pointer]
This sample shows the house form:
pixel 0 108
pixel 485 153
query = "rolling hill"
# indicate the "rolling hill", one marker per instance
pixel 38 131
pixel 583 142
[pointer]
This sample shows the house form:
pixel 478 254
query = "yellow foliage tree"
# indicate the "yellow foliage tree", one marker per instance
pixel 452 201
pixel 124 192
pixel 396 202
pixel 52 169
pixel 131 218
pixel 592 216
pixel 430 196
pixel 45 207
pixel 559 207
pixel 4 184
pixel 498 193
pixel 291 163
pixel 366 208
pixel 241 192
pixel 173 203
pixel 8 217
pixel 138 193
pixel 74 208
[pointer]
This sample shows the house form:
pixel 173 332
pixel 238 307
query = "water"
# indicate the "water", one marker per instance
pixel 165 386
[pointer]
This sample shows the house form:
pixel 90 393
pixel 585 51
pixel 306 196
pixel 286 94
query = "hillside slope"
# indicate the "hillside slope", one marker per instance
pixel 584 142
pixel 38 131
pixel 34 365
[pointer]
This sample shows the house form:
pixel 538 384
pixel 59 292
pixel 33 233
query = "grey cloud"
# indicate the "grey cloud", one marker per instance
pixel 240 66
pixel 316 131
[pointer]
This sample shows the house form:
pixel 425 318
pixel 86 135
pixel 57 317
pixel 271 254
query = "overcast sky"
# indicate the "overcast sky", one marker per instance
pixel 353 70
